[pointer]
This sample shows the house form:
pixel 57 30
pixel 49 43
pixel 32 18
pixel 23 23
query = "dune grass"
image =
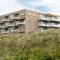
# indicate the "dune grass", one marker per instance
pixel 31 46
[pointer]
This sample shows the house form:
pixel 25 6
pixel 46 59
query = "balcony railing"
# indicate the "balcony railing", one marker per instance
pixel 42 24
pixel 5 20
pixel 18 23
pixel 58 19
pixel 1 21
pixel 49 18
pixel 54 25
pixel 4 31
pixel 49 25
pixel 2 26
pixel 43 18
pixel 9 24
pixel 18 17
pixel 16 30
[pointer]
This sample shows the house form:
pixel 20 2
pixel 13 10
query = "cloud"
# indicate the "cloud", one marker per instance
pixel 46 6
pixel 7 6
pixel 54 6
pixel 49 6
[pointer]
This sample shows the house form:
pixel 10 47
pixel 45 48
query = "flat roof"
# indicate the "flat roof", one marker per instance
pixel 46 14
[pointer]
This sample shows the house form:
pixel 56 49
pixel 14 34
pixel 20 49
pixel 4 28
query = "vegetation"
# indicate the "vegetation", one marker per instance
pixel 32 46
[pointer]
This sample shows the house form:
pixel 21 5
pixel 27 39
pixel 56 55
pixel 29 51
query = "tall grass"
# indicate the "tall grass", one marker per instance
pixel 30 46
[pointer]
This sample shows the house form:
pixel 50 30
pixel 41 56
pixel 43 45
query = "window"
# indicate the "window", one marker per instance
pixel 21 20
pixel 16 27
pixel 14 19
pixel 44 22
pixel 6 29
pixel 2 24
pixel 56 23
pixel 11 22
pixel 16 14
pixel 6 17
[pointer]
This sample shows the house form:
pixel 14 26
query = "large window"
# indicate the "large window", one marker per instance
pixel 6 17
pixel 6 29
pixel 1 24
pixel 17 14
pixel 16 27
pixel 21 20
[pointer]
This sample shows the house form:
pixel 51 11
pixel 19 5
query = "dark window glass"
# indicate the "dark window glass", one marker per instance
pixel 16 14
pixel 6 17
pixel 21 20
pixel 6 29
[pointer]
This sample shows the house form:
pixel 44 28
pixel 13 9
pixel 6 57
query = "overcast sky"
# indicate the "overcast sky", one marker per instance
pixel 46 6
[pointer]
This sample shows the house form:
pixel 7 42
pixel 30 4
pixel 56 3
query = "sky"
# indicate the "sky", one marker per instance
pixel 44 6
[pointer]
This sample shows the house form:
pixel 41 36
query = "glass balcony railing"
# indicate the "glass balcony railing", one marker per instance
pixel 17 17
pixel 2 31
pixel 54 25
pixel 2 26
pixel 49 25
pixel 42 24
pixel 18 23
pixel 5 20
pixel 49 18
pixel 9 24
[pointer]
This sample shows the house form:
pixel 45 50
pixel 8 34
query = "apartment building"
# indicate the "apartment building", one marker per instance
pixel 47 21
pixel 27 21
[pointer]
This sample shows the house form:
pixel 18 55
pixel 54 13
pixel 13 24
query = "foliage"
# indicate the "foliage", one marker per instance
pixel 31 46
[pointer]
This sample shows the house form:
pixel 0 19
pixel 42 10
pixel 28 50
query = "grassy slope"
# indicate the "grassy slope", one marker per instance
pixel 33 46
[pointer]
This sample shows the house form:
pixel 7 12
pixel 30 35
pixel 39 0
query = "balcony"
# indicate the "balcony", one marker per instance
pixel 8 24
pixel 42 24
pixel 15 30
pixel 54 25
pixel 4 20
pixel 20 23
pixel 22 30
pixel 18 17
pixel 1 21
pixel 49 25
pixel 56 19
pixel 49 18
pixel 43 18
pixel 2 31
pixel 2 26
